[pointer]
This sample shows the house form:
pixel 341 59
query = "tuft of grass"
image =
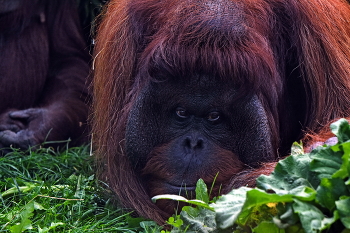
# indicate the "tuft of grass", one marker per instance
pixel 55 191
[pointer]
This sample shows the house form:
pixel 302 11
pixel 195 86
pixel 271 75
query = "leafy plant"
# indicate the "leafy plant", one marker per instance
pixel 305 193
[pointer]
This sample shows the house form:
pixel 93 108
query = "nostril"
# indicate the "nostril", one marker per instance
pixel 196 143
pixel 200 143
pixel 188 143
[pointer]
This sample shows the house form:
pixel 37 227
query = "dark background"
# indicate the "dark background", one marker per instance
pixel 88 11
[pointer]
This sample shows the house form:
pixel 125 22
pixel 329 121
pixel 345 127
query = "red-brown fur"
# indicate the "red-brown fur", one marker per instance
pixel 43 69
pixel 317 39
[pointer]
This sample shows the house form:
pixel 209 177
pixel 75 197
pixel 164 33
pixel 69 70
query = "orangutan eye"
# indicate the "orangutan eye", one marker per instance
pixel 181 112
pixel 213 116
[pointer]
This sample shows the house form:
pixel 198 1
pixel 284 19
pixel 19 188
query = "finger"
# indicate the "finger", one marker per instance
pixel 9 138
pixel 15 127
pixel 23 114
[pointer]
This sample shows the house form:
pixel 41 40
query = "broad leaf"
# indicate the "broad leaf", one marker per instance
pixel 329 192
pixel 202 191
pixel 229 206
pixel 289 175
pixel 343 207
pixel 312 218
pixel 341 129
pixel 325 162
pixel 269 227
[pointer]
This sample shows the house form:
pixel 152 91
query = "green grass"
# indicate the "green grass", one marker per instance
pixel 50 191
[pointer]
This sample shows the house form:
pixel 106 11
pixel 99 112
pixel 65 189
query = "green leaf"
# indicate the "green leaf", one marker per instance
pixel 297 148
pixel 38 206
pixel 311 218
pixel 269 227
pixel 202 191
pixel 175 222
pixel 169 197
pixel 182 199
pixel 289 175
pixel 343 207
pixel 24 189
pixel 229 206
pixel 341 129
pixel 25 223
pixel 257 198
pixel 329 192
pixel 344 170
pixel 203 222
pixel 325 162
pixel 53 225
pixel 192 211
pixel 286 217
